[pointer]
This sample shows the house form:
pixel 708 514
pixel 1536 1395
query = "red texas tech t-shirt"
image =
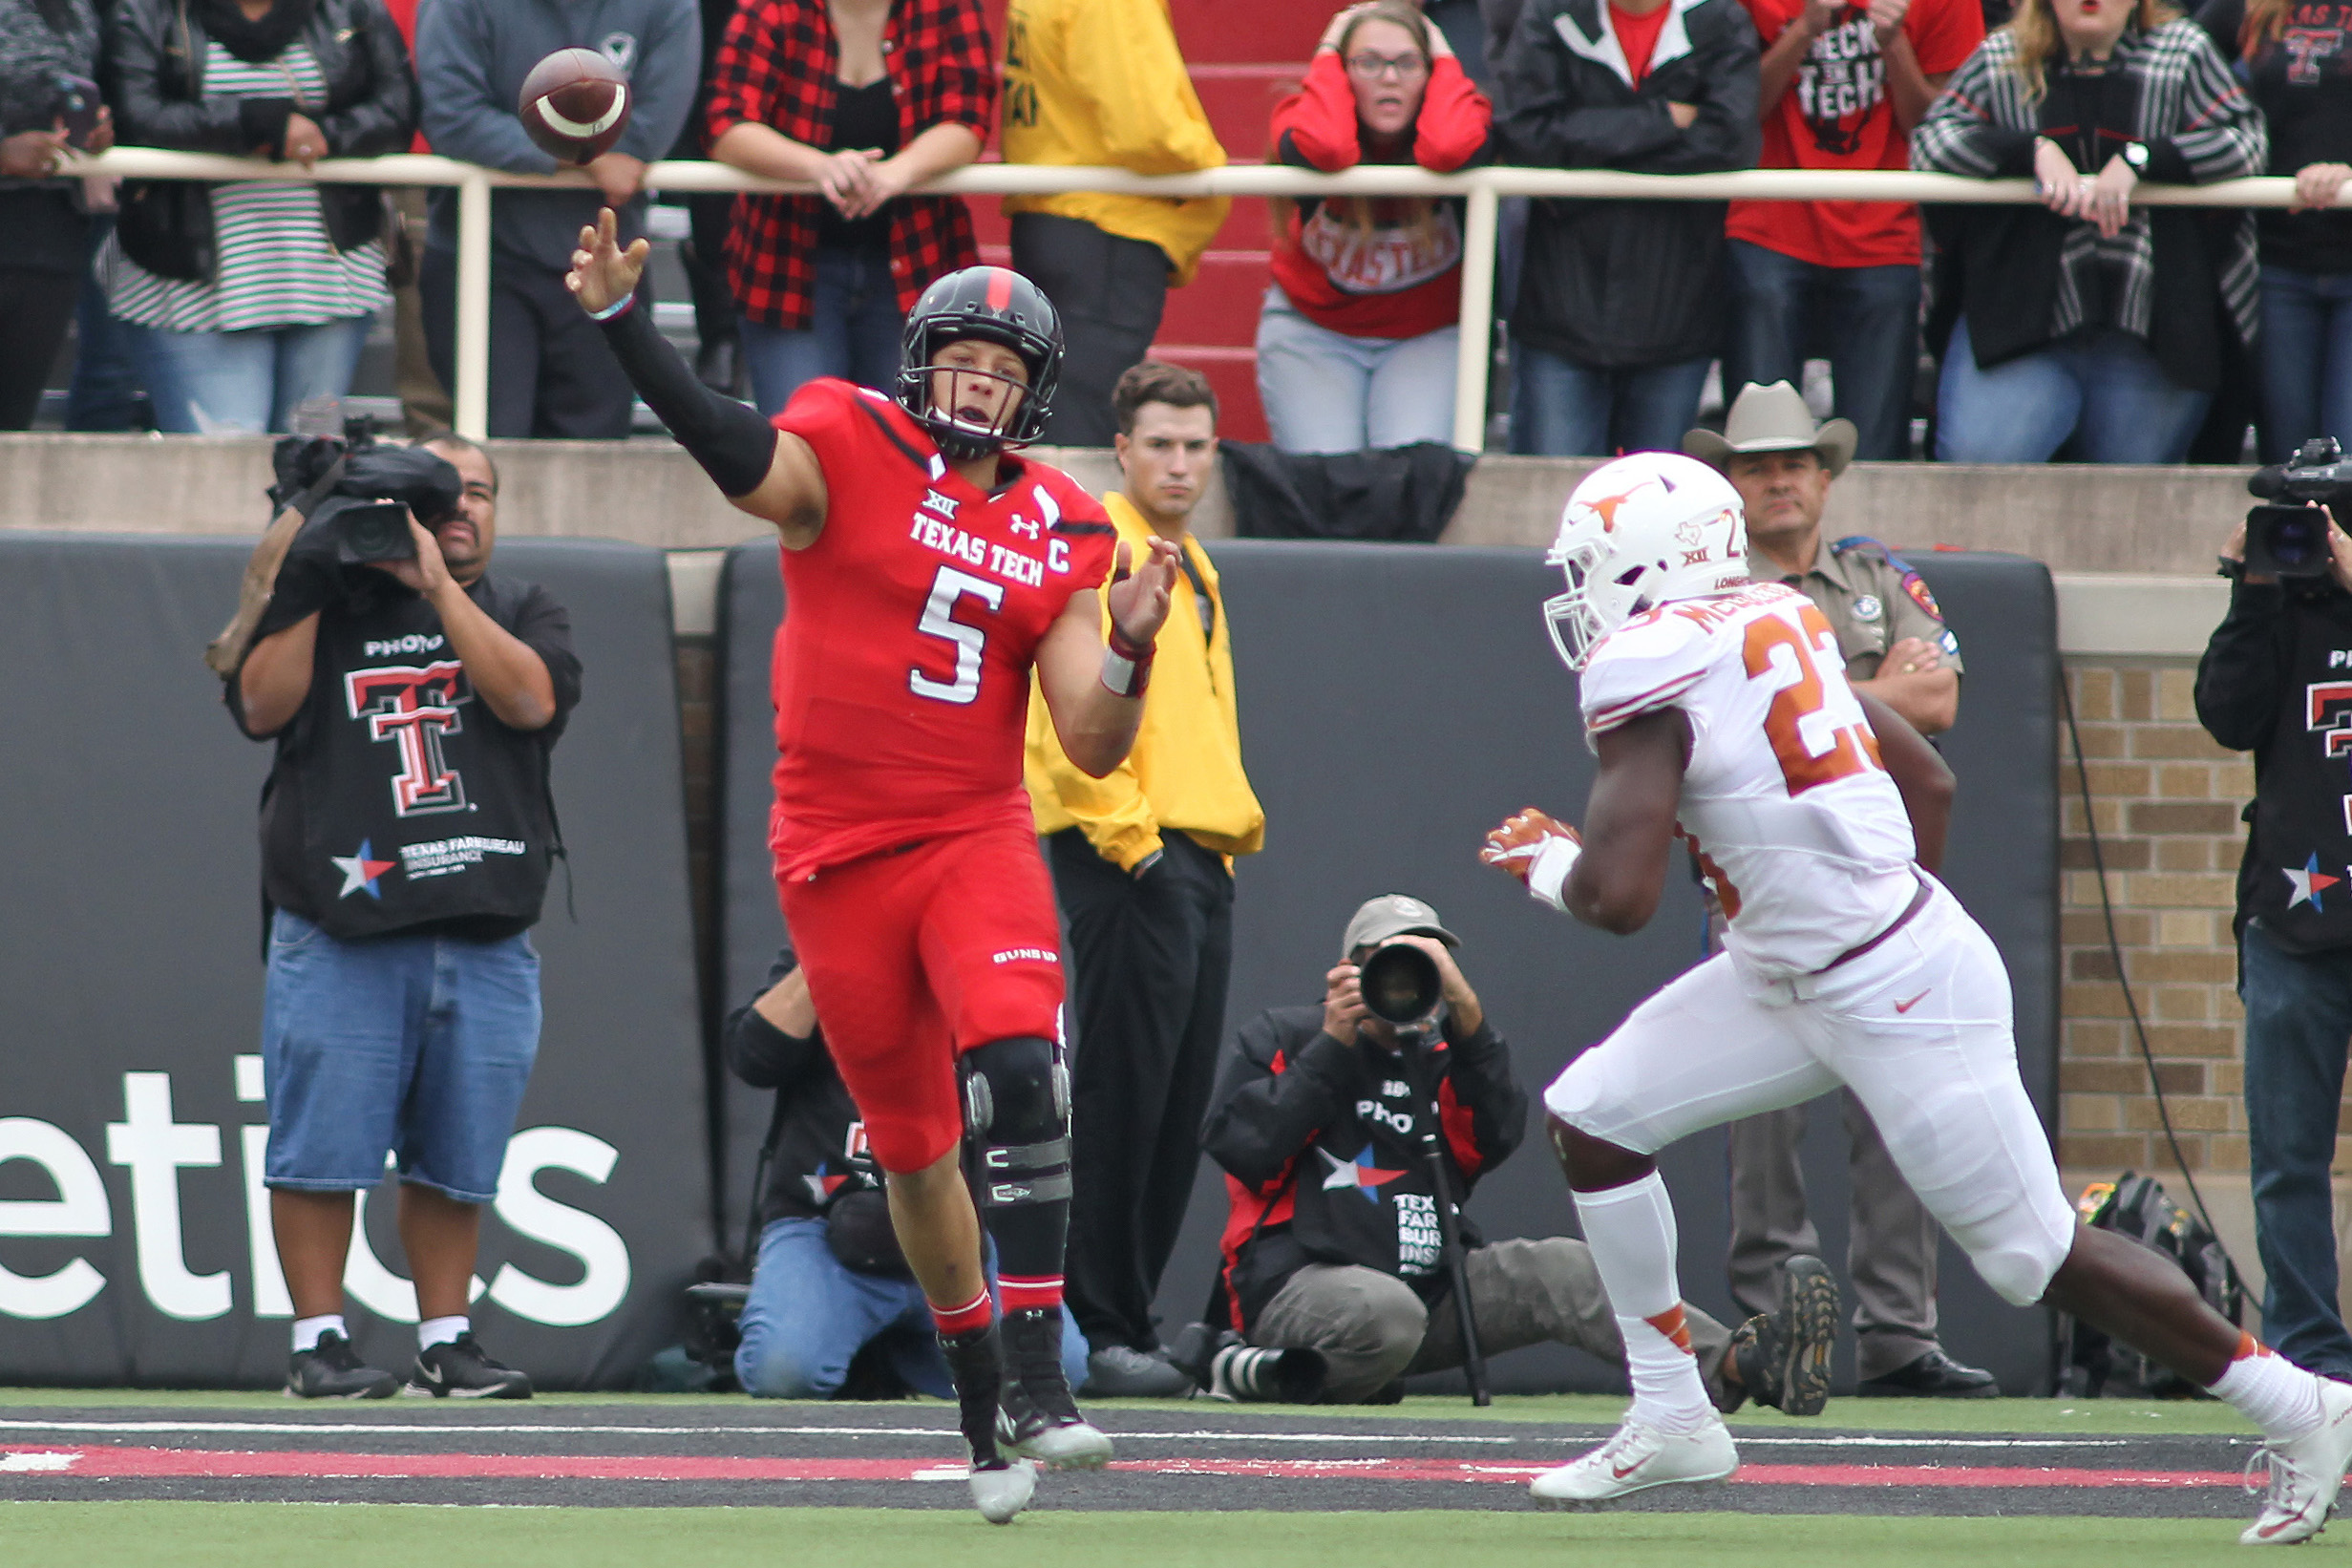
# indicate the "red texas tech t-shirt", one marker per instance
pixel 901 674
pixel 1836 115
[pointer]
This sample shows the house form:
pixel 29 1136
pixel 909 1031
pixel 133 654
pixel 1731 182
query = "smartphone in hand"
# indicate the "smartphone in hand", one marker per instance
pixel 77 107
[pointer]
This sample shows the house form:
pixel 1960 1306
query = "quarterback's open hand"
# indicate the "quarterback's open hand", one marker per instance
pixel 1139 597
pixel 602 271
pixel 1515 846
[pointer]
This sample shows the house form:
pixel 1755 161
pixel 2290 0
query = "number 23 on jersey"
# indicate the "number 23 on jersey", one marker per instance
pixel 1819 736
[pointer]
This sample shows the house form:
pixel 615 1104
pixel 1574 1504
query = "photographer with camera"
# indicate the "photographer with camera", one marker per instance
pixel 407 832
pixel 828 1278
pixel 2277 680
pixel 1341 1234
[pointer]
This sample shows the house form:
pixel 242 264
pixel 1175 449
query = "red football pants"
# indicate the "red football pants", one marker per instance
pixel 916 956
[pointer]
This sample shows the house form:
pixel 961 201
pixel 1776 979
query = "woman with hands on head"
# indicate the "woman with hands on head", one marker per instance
pixel 2305 95
pixel 1356 341
pixel 2096 319
pixel 866 99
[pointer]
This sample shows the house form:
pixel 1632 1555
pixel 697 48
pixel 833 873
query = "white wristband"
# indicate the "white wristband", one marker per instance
pixel 1550 872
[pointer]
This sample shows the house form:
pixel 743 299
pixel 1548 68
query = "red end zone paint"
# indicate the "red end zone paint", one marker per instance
pixel 301 1463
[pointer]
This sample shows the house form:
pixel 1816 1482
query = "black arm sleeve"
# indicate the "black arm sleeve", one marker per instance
pixel 2242 675
pixel 733 444
pixel 757 1051
pixel 1259 1119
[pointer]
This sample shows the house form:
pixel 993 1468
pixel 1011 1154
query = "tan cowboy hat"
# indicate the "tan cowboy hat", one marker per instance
pixel 1773 418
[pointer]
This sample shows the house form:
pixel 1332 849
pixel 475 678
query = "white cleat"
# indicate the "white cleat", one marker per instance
pixel 1004 1491
pixel 1072 1442
pixel 1638 1457
pixel 2305 1474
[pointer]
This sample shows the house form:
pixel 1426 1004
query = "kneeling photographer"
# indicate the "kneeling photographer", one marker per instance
pixel 1342 1238
pixel 2277 680
pixel 828 1280
pixel 407 834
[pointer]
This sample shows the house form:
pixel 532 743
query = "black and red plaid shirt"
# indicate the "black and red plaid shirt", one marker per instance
pixel 779 66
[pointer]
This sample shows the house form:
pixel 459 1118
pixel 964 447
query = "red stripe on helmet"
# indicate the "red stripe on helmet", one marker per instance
pixel 1000 289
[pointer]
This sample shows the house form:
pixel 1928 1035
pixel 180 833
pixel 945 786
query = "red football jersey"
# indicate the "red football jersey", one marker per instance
pixel 901 675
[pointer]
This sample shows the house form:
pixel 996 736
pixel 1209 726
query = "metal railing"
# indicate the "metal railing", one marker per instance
pixel 1481 189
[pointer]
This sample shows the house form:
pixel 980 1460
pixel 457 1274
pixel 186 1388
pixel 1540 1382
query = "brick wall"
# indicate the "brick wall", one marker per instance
pixel 2165 801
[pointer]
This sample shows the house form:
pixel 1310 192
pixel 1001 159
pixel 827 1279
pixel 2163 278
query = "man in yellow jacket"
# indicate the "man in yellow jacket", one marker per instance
pixel 1092 83
pixel 1142 864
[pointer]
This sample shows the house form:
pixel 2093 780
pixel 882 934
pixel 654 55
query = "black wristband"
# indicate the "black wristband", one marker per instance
pixel 733 444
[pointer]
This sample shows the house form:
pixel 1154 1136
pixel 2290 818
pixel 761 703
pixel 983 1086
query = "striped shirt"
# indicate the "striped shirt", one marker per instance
pixel 276 266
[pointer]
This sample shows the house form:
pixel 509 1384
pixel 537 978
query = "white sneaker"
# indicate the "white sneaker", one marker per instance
pixel 2304 1474
pixel 1639 1456
pixel 1001 1493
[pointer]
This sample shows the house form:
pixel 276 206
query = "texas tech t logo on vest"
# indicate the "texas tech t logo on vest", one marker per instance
pixel 412 707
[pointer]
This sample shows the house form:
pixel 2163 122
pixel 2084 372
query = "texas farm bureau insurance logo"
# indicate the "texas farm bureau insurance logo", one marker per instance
pixel 411 708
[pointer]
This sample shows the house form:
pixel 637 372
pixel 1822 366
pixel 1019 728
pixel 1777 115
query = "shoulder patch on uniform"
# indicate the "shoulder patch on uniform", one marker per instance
pixel 1916 588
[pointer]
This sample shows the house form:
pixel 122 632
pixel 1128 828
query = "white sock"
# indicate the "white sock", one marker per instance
pixel 1632 1234
pixel 307 1330
pixel 434 1331
pixel 2271 1392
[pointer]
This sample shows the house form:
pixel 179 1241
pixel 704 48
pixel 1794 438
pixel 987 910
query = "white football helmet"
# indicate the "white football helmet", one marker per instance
pixel 1650 527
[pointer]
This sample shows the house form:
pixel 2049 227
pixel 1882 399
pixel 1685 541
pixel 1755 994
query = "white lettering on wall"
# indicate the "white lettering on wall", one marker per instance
pixel 155 1149
pixel 604 1256
pixel 79 1209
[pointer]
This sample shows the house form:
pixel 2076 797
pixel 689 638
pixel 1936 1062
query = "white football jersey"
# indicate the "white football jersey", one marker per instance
pixel 1795 822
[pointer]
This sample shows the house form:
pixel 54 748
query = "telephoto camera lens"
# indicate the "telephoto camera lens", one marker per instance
pixel 1401 984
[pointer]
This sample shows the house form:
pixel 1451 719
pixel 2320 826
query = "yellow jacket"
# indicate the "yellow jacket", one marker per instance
pixel 1185 770
pixel 1089 82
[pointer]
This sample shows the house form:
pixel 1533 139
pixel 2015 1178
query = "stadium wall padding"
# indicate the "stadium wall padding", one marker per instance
pixel 132 978
pixel 1396 702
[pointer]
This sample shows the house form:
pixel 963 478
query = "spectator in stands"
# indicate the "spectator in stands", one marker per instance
pixel 866 98
pixel 1102 82
pixel 2303 83
pixel 2092 320
pixel 1842 87
pixel 1356 342
pixel 40 42
pixel 1621 304
pixel 550 371
pixel 256 296
pixel 829 1278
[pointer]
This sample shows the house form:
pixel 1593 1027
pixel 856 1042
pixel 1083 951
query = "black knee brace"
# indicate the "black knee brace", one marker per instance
pixel 1016 1107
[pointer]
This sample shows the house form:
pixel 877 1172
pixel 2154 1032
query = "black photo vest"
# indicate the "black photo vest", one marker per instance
pixel 398 799
pixel 2297 876
pixel 1363 1193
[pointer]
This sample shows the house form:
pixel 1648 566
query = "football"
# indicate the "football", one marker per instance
pixel 575 104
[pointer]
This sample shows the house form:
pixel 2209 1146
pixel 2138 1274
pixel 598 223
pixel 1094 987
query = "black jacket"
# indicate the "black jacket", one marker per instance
pixel 816 1149
pixel 2277 681
pixel 1320 1146
pixel 155 80
pixel 1621 284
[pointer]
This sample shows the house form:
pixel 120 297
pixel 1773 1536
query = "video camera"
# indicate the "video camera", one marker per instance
pixel 1401 984
pixel 2288 539
pixel 364 515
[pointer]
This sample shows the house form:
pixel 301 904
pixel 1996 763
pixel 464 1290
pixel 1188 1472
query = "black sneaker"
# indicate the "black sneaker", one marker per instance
pixel 461 1369
pixel 331 1369
pixel 1784 1358
pixel 1036 1417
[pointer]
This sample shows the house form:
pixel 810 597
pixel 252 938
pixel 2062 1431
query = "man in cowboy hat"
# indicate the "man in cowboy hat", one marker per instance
pixel 1897 648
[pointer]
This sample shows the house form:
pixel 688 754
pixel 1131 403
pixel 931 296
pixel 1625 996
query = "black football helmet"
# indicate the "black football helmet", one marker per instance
pixel 995 304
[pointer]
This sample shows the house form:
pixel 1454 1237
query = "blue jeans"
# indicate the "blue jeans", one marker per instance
pixel 2100 383
pixel 1328 392
pixel 807 1318
pixel 1872 320
pixel 2306 382
pixel 2298 1021
pixel 1560 409
pixel 226 383
pixel 418 1046
pixel 106 391
pixel 855 335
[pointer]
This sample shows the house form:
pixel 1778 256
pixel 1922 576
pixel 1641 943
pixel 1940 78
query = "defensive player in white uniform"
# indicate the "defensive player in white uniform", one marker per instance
pixel 1720 713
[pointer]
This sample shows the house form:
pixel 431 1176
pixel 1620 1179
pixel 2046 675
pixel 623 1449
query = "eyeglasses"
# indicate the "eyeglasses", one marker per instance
pixel 1372 67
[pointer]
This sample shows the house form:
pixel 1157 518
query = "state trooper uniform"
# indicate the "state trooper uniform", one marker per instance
pixel 1873 600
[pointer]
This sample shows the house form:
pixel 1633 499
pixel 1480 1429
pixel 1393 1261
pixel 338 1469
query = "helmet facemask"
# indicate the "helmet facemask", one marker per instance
pixel 1642 531
pixel 956 435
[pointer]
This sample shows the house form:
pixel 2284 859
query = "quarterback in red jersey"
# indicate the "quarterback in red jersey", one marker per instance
pixel 927 572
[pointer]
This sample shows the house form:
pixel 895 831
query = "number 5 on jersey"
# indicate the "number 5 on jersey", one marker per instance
pixel 971 642
pixel 1847 746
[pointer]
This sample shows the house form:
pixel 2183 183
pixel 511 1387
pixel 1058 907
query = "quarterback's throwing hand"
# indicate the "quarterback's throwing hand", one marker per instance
pixel 602 271
pixel 1139 597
